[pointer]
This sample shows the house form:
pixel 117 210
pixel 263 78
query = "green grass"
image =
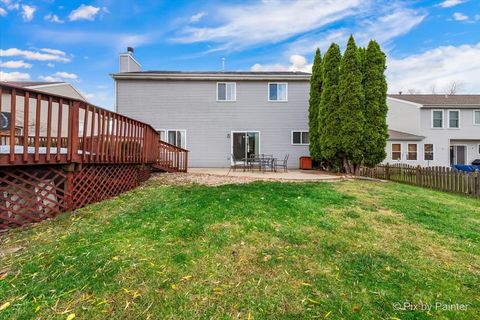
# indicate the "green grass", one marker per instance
pixel 254 251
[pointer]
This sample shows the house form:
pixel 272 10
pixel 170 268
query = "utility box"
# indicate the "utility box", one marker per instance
pixel 305 163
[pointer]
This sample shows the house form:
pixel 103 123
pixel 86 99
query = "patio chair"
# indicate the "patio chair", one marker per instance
pixel 237 163
pixel 282 164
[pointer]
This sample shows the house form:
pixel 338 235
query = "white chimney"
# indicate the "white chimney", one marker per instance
pixel 128 62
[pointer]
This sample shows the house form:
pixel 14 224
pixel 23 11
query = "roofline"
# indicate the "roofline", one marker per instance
pixel 55 85
pixel 418 105
pixel 206 76
pixel 429 106
pixel 432 105
pixel 417 138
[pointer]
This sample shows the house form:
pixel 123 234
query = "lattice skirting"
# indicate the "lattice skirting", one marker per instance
pixel 34 193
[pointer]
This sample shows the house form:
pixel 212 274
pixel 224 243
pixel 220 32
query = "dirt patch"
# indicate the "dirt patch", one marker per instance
pixel 219 179
pixel 180 179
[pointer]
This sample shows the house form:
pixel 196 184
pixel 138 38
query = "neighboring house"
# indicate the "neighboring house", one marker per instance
pixel 216 114
pixel 64 89
pixel 60 88
pixel 433 130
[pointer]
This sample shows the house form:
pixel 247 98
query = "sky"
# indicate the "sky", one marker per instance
pixel 430 45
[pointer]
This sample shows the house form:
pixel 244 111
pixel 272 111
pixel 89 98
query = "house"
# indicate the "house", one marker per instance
pixel 59 88
pixel 64 89
pixel 433 130
pixel 217 114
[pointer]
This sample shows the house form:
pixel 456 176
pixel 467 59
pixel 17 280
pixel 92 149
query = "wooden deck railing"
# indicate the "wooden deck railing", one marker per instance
pixel 171 157
pixel 438 178
pixel 41 128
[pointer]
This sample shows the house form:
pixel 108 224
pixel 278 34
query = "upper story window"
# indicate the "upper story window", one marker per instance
pixel 476 117
pixel 300 137
pixel 437 119
pixel 226 91
pixel 396 151
pixel 454 119
pixel 277 92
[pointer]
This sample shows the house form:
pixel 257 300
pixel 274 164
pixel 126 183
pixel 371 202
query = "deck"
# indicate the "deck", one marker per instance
pixel 59 154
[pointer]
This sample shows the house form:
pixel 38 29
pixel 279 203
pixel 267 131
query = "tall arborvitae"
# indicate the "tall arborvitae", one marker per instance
pixel 375 89
pixel 329 118
pixel 352 117
pixel 315 96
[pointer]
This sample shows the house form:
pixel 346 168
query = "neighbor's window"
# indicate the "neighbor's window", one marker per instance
pixel 226 91
pixel 453 119
pixel 437 118
pixel 428 151
pixel 412 151
pixel 177 137
pixel 300 137
pixel 476 117
pixel 277 92
pixel 396 151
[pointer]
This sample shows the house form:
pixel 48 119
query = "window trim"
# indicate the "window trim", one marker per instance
pixel 166 135
pixel 474 123
pixel 432 120
pixel 408 152
pixel 299 144
pixel 234 94
pixel 433 151
pixel 448 118
pixel 391 151
pixel 277 83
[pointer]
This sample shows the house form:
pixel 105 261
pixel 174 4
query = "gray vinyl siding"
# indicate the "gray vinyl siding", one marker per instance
pixel 405 117
pixel 192 106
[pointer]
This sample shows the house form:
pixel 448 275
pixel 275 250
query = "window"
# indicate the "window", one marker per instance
pixel 162 134
pixel 478 149
pixel 226 91
pixel 177 137
pixel 277 92
pixel 437 119
pixel 476 117
pixel 454 119
pixel 396 151
pixel 412 151
pixel 428 151
pixel 300 137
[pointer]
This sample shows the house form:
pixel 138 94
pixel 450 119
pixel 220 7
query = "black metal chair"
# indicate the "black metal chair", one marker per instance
pixel 237 163
pixel 282 164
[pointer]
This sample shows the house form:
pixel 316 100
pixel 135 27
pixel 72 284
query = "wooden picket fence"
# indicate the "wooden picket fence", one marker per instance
pixel 438 178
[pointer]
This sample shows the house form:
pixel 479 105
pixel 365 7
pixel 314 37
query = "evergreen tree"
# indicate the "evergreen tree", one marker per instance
pixel 315 96
pixel 351 110
pixel 329 118
pixel 375 89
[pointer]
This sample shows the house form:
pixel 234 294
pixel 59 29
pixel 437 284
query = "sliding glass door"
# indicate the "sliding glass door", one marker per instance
pixel 245 144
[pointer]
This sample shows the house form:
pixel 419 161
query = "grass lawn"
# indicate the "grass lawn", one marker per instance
pixel 266 250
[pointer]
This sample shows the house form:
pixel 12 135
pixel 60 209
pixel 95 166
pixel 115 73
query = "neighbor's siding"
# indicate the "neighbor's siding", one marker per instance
pixel 192 105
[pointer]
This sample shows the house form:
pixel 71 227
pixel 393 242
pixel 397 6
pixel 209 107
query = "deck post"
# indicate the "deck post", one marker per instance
pixel 69 187
pixel 75 108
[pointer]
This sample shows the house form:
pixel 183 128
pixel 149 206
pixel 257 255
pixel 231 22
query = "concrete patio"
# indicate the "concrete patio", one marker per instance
pixel 291 175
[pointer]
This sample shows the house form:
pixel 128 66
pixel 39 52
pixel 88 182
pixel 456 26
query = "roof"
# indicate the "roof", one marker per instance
pixel 26 84
pixel 394 135
pixel 214 75
pixel 465 100
pixel 47 86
